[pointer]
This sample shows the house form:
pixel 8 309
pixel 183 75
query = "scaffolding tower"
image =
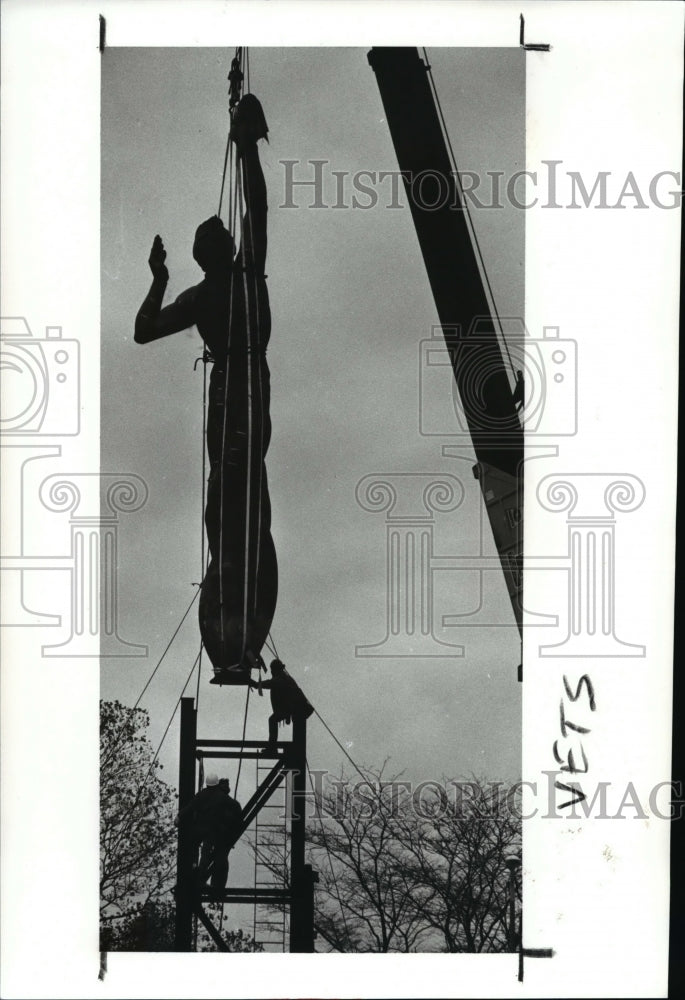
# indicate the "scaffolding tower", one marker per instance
pixel 285 770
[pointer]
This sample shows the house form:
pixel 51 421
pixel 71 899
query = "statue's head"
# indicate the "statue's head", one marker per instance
pixel 213 247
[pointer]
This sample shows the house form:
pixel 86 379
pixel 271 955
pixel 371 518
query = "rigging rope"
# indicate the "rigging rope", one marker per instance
pixel 199 672
pixel 354 765
pixel 204 560
pixel 131 811
pixel 260 385
pixel 117 742
pixel 223 175
pixel 330 860
pixel 168 647
pixel 245 252
pixel 235 78
pixel 171 719
pixel 248 365
pixel 467 210
pixel 242 742
pixel 240 203
pixel 232 193
pixel 223 453
pixel 273 643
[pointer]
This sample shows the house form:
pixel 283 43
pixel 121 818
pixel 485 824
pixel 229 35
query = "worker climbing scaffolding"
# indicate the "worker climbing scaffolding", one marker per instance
pixel 214 819
pixel 288 701
pixel 230 308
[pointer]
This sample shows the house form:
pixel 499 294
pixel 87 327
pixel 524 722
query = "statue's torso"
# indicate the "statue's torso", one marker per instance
pixel 233 311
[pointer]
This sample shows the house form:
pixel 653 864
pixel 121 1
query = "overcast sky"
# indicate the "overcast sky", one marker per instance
pixel 350 302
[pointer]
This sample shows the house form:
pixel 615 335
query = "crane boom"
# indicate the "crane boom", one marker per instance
pixel 461 302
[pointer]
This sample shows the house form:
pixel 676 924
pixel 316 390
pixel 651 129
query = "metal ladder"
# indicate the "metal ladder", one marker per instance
pixel 270 926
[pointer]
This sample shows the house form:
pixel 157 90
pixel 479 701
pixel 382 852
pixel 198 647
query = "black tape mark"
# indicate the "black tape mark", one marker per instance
pixel 530 46
pixel 103 966
pixel 103 33
pixel 532 953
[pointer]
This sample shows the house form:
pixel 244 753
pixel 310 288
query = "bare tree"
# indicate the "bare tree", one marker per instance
pixel 405 872
pixel 455 850
pixel 362 900
pixel 357 849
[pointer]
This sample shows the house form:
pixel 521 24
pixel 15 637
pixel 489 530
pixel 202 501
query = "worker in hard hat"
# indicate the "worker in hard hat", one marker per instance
pixel 215 819
pixel 288 701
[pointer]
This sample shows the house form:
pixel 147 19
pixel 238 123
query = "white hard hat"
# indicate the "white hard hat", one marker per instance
pixel 211 779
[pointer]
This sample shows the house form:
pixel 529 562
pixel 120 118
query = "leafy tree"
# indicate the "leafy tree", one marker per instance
pixel 152 926
pixel 137 834
pixel 138 842
pixel 149 927
pixel 237 940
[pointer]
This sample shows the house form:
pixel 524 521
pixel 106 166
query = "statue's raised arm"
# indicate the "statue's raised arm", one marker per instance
pixel 153 321
pixel 249 125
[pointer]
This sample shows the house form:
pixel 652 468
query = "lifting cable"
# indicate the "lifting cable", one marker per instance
pixel 239 71
pixel 236 85
pixel 235 80
pixel 239 195
pixel 465 204
pixel 235 68
pixel 248 366
pixel 255 276
pixel 204 559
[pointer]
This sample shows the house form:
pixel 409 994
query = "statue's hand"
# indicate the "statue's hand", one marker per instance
pixel 157 258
